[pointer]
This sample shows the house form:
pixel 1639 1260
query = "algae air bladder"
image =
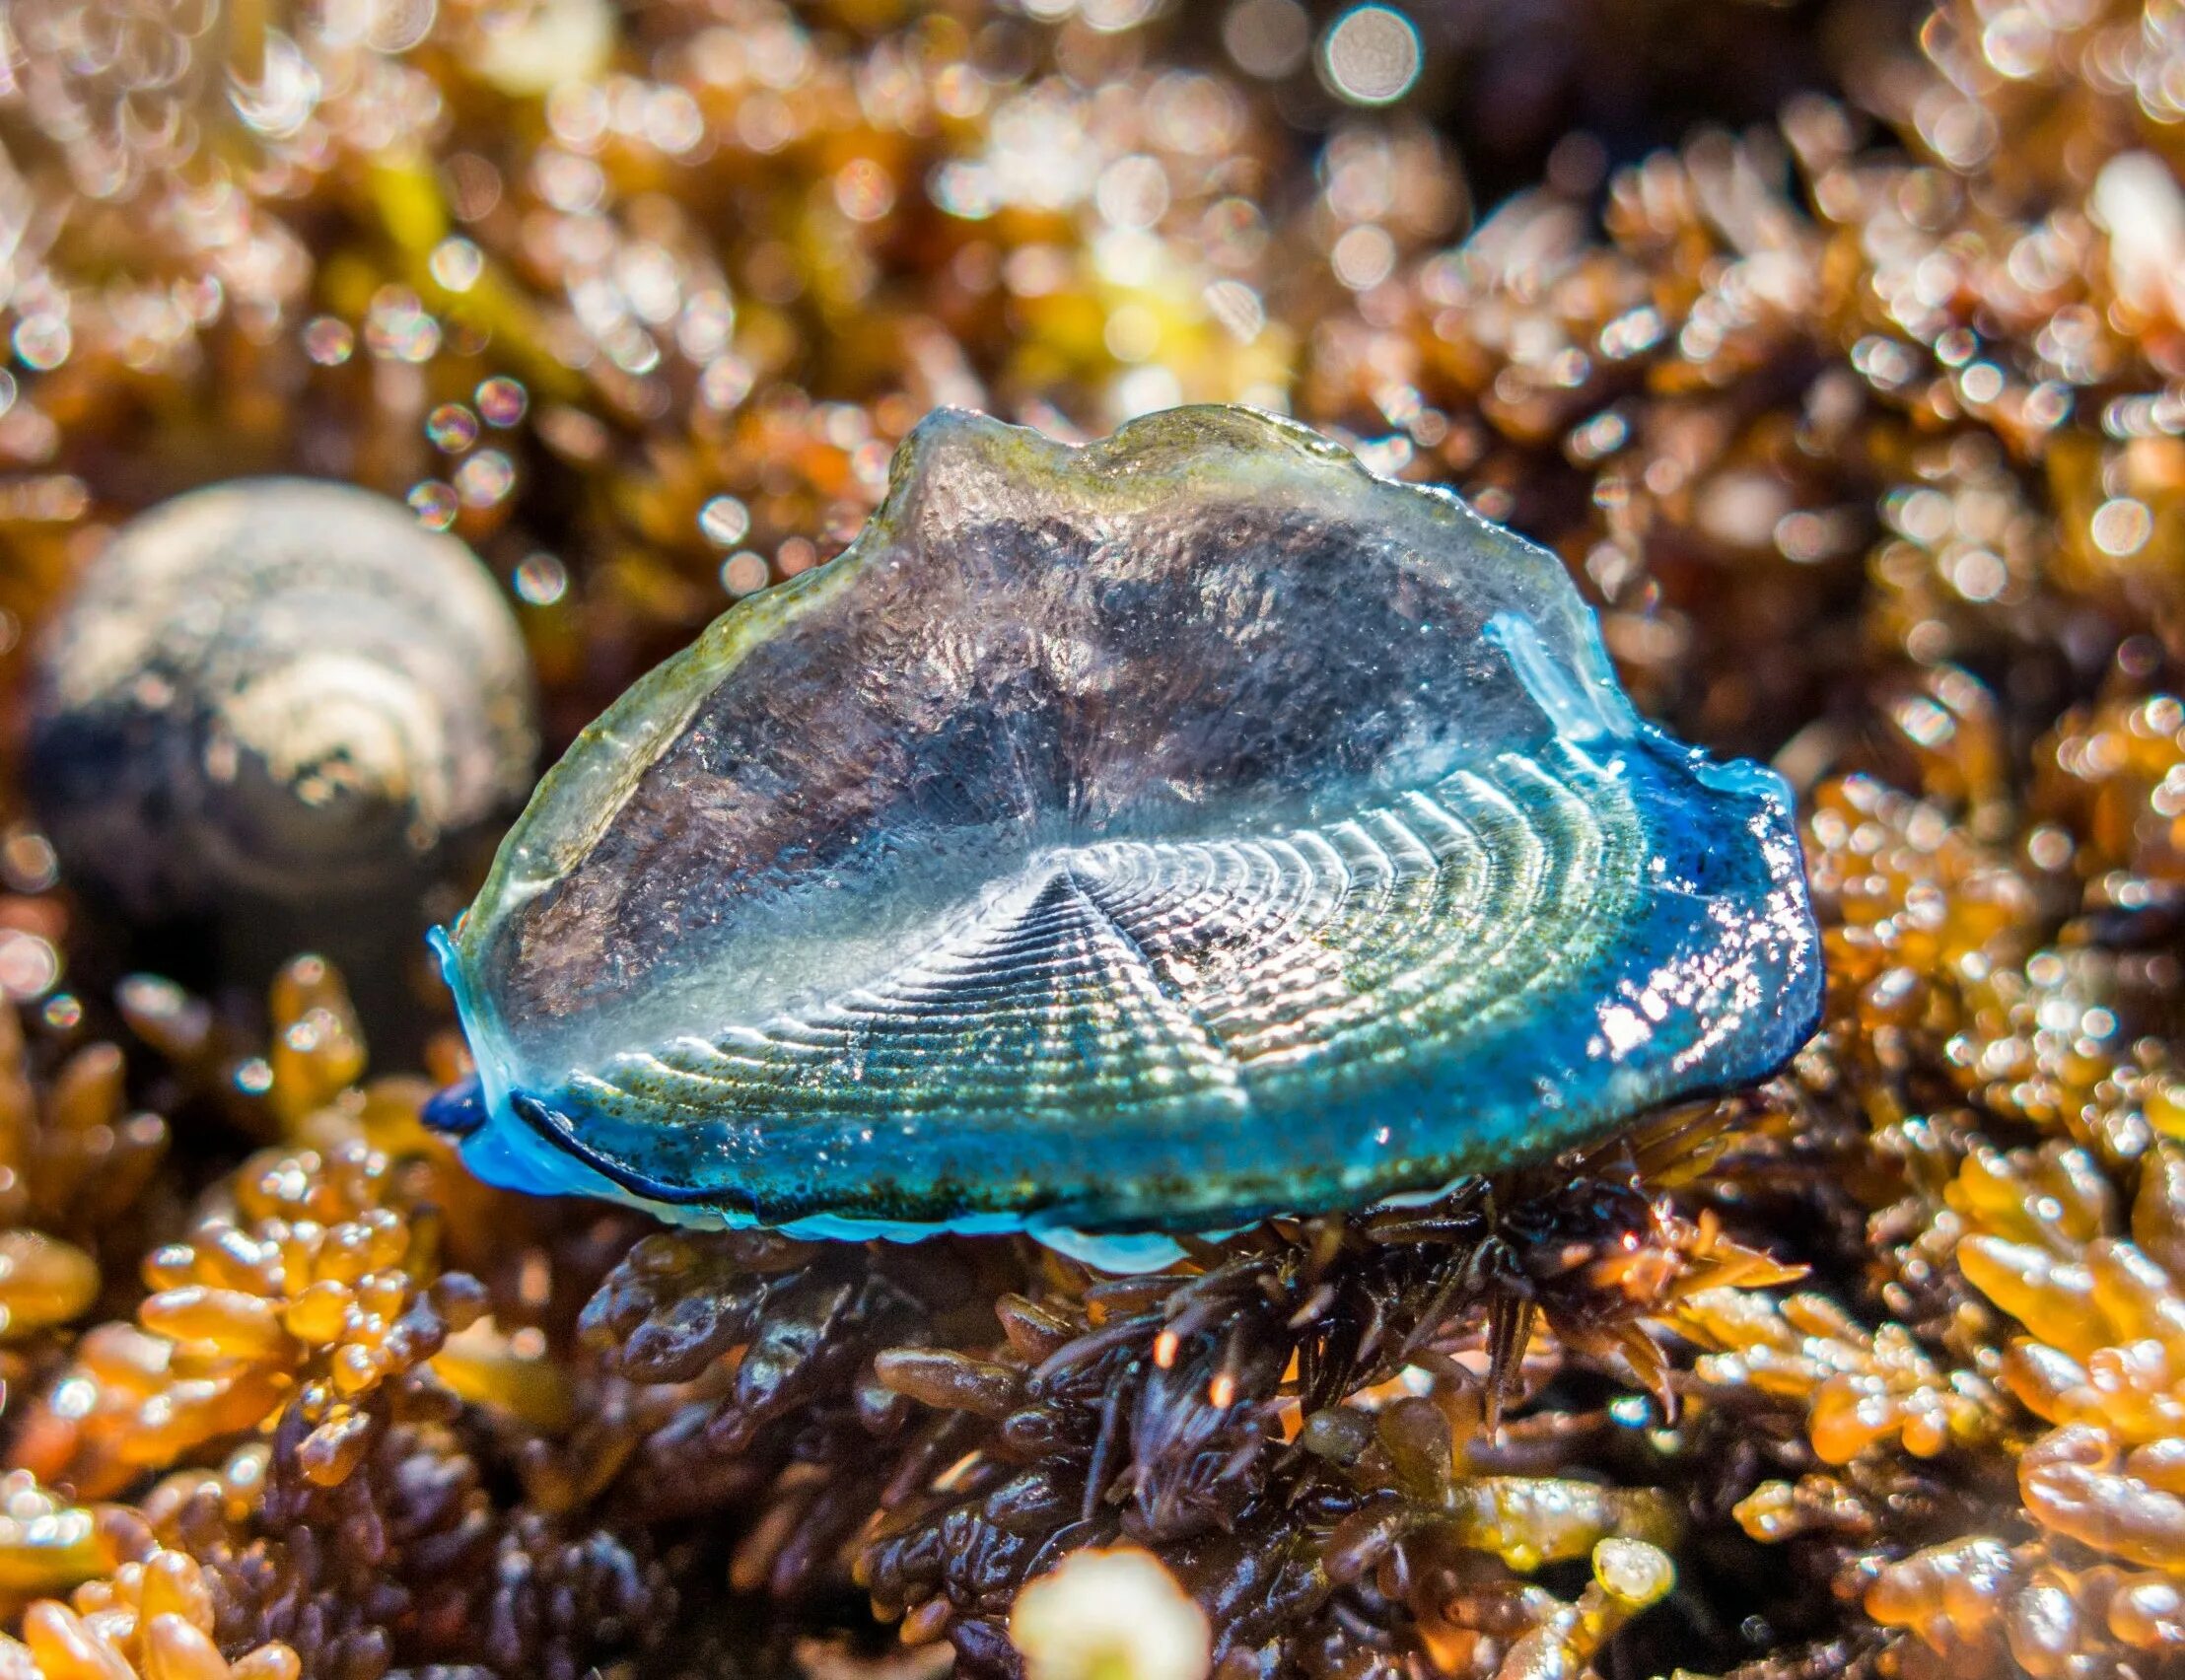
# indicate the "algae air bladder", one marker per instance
pixel 1136 838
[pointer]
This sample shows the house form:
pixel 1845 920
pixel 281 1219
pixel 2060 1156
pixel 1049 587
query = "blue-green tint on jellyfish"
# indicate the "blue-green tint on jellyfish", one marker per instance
pixel 1141 837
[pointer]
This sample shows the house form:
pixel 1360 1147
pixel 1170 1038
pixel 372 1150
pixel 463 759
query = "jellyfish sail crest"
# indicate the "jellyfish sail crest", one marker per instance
pixel 1584 707
pixel 1143 835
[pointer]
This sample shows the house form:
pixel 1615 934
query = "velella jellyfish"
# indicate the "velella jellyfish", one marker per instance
pixel 1139 837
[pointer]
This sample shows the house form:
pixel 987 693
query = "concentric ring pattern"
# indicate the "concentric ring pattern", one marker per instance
pixel 1151 835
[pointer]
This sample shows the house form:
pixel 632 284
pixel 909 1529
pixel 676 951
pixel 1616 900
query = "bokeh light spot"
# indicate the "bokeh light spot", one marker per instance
pixel 725 520
pixel 2121 526
pixel 541 580
pixel 744 573
pixel 1268 39
pixel 1371 56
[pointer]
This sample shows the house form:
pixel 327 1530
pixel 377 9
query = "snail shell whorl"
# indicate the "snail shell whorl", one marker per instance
pixel 275 689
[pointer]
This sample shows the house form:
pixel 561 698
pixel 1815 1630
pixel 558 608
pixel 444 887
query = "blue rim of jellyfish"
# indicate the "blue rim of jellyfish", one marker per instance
pixel 547 1154
pixel 518 1139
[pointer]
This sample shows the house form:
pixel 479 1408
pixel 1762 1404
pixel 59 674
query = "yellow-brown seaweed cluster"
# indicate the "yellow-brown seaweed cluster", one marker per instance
pixel 1862 426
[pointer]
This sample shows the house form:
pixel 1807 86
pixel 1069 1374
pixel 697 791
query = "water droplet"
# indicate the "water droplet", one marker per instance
pixel 1364 258
pixel 328 341
pixel 1371 56
pixel 725 520
pixel 451 427
pixel 863 190
pixel 397 328
pixel 485 478
pixel 541 580
pixel 434 502
pixel 43 340
pixel 743 573
pixel 456 263
pixel 2121 526
pixel 26 862
pixel 502 401
pixel 30 966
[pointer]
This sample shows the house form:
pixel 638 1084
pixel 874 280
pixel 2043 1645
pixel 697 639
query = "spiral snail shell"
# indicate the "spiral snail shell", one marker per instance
pixel 277 692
